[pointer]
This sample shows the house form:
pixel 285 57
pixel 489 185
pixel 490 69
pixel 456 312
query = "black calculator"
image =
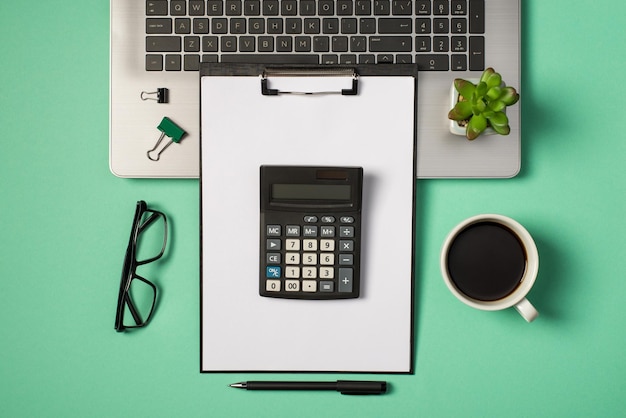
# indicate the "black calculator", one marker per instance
pixel 310 240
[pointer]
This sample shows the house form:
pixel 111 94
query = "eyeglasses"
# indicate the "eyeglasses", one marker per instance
pixel 137 295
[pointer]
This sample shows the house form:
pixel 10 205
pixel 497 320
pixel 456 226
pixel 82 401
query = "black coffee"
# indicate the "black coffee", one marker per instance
pixel 486 261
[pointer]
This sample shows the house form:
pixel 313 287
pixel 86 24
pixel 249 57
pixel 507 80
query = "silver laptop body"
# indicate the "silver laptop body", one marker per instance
pixel 141 44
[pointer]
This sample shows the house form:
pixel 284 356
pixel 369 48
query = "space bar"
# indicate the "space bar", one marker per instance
pixel 271 58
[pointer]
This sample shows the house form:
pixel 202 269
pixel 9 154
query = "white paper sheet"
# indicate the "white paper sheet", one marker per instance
pixel 242 130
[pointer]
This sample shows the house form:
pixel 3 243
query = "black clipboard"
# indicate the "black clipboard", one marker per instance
pixel 367 118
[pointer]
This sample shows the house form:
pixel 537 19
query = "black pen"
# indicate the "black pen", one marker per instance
pixel 346 387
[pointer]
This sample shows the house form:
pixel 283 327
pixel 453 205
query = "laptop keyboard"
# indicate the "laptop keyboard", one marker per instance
pixel 438 35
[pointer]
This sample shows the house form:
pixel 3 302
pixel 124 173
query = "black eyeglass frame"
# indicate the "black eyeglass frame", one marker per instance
pixel 130 265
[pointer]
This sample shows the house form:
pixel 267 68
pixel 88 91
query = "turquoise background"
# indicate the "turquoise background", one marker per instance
pixel 64 223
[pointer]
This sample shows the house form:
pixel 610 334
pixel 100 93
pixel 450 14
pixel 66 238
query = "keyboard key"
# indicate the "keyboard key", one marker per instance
pixel 233 7
pixel 163 44
pixel 432 62
pixel 394 25
pixel 156 7
pixel 158 26
pixel 196 8
pixel 458 7
pixel 441 25
pixel 191 63
pixel 476 53
pixel 209 44
pixel 422 7
pixel 440 7
pixel 358 44
pixel 348 26
pixel 326 7
pixel 271 58
pixel 402 8
pixel 252 8
pixel 367 25
pixel 192 44
pixel 228 44
pixel 422 43
pixel 477 16
pixel 215 7
pixel 422 25
pixel 330 59
pixel 307 7
pixel 381 7
pixel 458 44
pixel 340 44
pixel 293 26
pixel 458 62
pixel 390 44
pixel 182 26
pixel 154 62
pixel 270 8
pixel 172 63
pixel 288 7
pixel 363 7
pixel 201 25
pixel 178 7
pixel 345 7
pixel 330 26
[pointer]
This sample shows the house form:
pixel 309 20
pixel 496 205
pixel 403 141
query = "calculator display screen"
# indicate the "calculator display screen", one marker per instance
pixel 311 192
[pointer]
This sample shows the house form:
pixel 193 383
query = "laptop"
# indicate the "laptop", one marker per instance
pixel 157 46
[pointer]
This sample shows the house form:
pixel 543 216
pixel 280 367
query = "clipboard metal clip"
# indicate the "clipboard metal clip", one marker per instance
pixel 309 72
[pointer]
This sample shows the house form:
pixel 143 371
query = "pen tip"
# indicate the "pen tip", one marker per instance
pixel 240 385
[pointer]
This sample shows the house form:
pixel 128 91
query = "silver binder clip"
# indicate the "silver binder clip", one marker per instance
pixel 159 96
pixel 309 72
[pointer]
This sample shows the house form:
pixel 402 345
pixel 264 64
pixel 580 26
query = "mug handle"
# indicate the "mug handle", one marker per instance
pixel 527 310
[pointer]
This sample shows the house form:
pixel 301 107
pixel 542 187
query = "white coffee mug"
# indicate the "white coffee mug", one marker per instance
pixel 517 297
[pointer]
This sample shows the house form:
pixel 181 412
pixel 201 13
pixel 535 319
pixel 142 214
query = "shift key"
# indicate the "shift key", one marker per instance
pixel 391 44
pixel 163 44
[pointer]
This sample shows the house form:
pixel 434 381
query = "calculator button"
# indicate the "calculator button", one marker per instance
pixel 309 245
pixel 292 258
pixel 346 245
pixel 309 272
pixel 346 259
pixel 310 231
pixel 272 258
pixel 272 272
pixel 327 273
pixel 346 231
pixel 310 219
pixel 292 285
pixel 327 286
pixel 292 272
pixel 327 259
pixel 292 245
pixel 273 244
pixel 345 280
pixel 347 220
pixel 272 285
pixel 273 230
pixel 292 230
pixel 309 286
pixel 309 259
pixel 327 231
pixel 328 219
pixel 327 245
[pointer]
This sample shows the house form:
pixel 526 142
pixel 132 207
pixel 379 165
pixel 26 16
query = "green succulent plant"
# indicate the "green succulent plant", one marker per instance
pixel 482 105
